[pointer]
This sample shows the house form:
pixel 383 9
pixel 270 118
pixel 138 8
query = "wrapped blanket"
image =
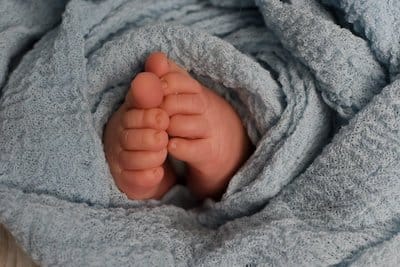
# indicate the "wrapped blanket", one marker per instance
pixel 315 82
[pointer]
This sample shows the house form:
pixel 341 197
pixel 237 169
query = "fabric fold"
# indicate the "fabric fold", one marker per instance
pixel 313 193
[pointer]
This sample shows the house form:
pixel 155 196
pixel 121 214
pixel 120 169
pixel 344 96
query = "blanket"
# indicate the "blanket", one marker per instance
pixel 316 83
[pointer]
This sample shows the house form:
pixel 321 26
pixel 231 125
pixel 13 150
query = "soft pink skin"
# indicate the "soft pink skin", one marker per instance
pixel 167 111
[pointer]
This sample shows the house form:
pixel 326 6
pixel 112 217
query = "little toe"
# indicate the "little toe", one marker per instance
pixel 188 126
pixel 145 91
pixel 190 151
pixel 140 179
pixel 141 184
pixel 143 139
pixel 139 160
pixel 155 118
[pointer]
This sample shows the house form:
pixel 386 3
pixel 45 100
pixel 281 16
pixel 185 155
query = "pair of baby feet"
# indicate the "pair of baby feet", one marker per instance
pixel 166 111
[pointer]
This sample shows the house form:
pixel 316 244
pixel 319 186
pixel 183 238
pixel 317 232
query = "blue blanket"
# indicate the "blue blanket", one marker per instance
pixel 316 84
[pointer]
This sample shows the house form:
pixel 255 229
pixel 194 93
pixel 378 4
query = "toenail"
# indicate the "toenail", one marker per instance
pixel 156 172
pixel 159 118
pixel 172 145
pixel 158 136
pixel 164 84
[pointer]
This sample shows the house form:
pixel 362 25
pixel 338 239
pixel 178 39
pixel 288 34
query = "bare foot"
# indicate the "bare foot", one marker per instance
pixel 135 141
pixel 204 130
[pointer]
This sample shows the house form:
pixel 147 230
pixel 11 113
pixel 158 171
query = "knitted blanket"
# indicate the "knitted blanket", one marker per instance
pixel 314 82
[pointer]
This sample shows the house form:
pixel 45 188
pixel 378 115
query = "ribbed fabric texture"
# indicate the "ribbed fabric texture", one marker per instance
pixel 314 82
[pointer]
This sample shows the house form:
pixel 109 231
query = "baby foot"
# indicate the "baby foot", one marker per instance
pixel 135 141
pixel 205 131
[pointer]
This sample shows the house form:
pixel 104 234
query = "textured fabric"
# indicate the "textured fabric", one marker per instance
pixel 314 82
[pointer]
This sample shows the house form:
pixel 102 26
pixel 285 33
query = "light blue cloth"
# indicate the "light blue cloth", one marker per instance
pixel 315 83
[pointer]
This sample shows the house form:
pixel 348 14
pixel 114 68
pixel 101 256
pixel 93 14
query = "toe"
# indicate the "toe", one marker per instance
pixel 142 179
pixel 175 83
pixel 145 92
pixel 142 184
pixel 191 151
pixel 143 139
pixel 159 64
pixel 156 118
pixel 189 104
pixel 188 126
pixel 139 160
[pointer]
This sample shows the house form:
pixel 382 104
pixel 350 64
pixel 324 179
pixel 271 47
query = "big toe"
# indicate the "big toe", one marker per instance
pixel 145 92
pixel 159 64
